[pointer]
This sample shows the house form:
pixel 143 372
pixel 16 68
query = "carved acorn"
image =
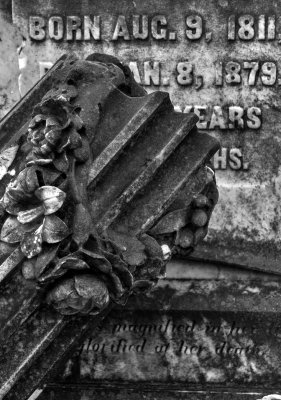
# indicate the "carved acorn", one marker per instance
pixel 184 228
pixel 80 294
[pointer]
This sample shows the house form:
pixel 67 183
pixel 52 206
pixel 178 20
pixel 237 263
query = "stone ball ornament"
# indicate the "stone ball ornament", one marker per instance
pixel 104 184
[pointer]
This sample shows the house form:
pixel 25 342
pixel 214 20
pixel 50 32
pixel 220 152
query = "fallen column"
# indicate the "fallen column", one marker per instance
pixel 102 183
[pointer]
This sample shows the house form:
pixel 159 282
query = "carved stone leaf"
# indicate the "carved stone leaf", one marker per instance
pixel 133 251
pixel 81 224
pixel 44 258
pixel 171 222
pixel 31 244
pixel 11 231
pixel 6 159
pixel 152 247
pixel 54 229
pixel 25 217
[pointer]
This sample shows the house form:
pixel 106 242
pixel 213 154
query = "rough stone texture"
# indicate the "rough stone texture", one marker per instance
pixel 203 338
pixel 9 69
pixel 253 186
pixel 143 392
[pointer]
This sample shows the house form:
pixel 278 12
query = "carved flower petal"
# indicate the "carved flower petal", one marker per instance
pixel 10 205
pixel 51 275
pixel 64 145
pixel 47 192
pixel 51 121
pixel 25 217
pixel 75 139
pixel 40 161
pixel 53 135
pixel 54 229
pixel 60 269
pixel 52 198
pixel 61 291
pixel 61 162
pixel 77 304
pixel 77 121
pixel 31 226
pixel 121 268
pixel 90 308
pixel 28 179
pixel 31 244
pixel 36 120
pixel 67 310
pixel 118 287
pixel 11 231
pixel 97 261
pixel 90 287
pixel 71 262
pixel 16 193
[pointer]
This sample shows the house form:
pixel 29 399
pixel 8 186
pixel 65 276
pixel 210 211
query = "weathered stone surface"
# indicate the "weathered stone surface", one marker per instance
pixel 9 65
pixel 152 392
pixel 202 338
pixel 188 49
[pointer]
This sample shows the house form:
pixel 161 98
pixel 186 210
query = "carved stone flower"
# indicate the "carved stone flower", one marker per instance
pixel 108 267
pixel 80 294
pixel 31 209
pixel 54 132
pixel 84 281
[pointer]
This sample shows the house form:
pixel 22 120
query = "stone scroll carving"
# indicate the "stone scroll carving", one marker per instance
pixel 89 188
